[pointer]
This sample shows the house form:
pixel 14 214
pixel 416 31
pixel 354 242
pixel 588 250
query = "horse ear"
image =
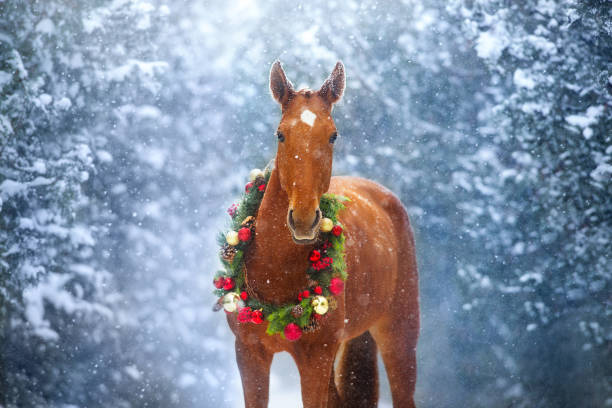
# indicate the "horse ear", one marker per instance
pixel 280 86
pixel 333 87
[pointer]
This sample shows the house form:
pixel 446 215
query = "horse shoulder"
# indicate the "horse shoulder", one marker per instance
pixel 356 188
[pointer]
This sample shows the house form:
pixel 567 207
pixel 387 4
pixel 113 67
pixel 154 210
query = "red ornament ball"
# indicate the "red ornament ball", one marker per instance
pixel 219 282
pixel 244 234
pixel 314 255
pixel 228 284
pixel 257 317
pixel 262 187
pixel 245 315
pixel 337 230
pixel 292 332
pixel 248 186
pixel 306 294
pixel 336 285
pixel 243 295
pixel 318 290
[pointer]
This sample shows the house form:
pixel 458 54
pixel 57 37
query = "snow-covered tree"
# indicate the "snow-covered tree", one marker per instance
pixel 540 203
pixel 56 297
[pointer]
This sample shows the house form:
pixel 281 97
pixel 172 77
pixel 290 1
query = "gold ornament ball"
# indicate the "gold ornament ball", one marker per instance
pixel 232 238
pixel 320 305
pixel 255 173
pixel 326 225
pixel 230 302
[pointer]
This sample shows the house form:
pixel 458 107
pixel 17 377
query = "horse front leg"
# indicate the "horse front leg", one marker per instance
pixel 254 364
pixel 315 366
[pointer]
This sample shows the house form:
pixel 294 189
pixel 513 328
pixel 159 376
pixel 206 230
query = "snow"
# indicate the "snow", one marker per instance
pixel 155 157
pixel 10 187
pixel 602 172
pixel 104 156
pixel 5 125
pixel 81 235
pixel 523 80
pixel 133 372
pixel 533 107
pixel 187 380
pixel 536 277
pixel 52 290
pixel 584 121
pixel 542 44
pixel 93 22
pixel 148 68
pixel 5 78
pixel 490 44
pixel 45 26
pixel 45 99
pixel 63 103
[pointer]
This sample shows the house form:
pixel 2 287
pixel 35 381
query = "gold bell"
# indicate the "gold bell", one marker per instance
pixel 232 238
pixel 326 225
pixel 255 174
pixel 230 302
pixel 320 305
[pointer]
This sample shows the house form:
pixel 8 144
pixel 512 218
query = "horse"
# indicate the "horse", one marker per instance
pixel 379 308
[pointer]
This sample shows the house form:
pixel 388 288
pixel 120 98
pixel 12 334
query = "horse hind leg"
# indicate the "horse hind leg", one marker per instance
pixel 356 375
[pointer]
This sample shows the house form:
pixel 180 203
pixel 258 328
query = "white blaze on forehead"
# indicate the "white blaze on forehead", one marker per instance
pixel 308 117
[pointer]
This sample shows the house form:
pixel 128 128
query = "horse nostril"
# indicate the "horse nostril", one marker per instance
pixel 317 218
pixel 290 218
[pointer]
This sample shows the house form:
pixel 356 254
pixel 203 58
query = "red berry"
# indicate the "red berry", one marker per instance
pixel 219 282
pixel 232 210
pixel 327 261
pixel 318 290
pixel 314 256
pixel 336 285
pixel 317 316
pixel 248 186
pixel 300 297
pixel 261 187
pixel 337 230
pixel 257 317
pixel 228 284
pixel 244 315
pixel 306 294
pixel 243 295
pixel 244 234
pixel 292 332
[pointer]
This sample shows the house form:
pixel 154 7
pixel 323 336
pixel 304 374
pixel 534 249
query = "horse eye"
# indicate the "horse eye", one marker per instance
pixel 333 137
pixel 281 137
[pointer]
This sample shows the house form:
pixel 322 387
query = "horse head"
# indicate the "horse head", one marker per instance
pixel 306 136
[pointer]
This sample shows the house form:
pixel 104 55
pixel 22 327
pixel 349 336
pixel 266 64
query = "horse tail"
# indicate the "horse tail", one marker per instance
pixel 354 380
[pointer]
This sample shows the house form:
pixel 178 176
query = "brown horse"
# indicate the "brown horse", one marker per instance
pixel 379 307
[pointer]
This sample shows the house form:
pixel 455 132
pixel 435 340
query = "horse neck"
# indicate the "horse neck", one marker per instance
pixel 276 266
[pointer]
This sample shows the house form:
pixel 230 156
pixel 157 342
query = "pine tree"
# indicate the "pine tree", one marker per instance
pixel 541 206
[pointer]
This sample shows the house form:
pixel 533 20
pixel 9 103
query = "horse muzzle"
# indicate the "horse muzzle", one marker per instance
pixel 304 227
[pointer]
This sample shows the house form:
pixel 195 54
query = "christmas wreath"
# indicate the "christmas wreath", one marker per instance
pixel 326 273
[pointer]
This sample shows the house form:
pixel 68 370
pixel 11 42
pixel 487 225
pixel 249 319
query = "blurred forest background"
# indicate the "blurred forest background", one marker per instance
pixel 128 127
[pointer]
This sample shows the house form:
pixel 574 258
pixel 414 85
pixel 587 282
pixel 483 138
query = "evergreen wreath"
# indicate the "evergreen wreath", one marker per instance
pixel 326 273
